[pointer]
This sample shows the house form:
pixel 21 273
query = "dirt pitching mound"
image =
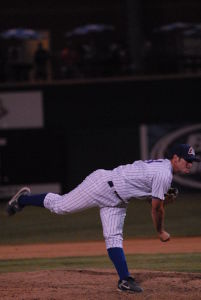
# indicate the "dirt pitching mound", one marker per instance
pixel 92 284
pixel 97 284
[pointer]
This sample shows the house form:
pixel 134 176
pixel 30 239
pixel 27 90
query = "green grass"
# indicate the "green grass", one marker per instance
pixel 36 225
pixel 160 262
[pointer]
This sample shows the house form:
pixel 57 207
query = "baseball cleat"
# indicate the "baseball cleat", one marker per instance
pixel 13 205
pixel 129 285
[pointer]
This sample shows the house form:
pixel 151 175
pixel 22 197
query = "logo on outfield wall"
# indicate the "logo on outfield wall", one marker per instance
pixel 189 135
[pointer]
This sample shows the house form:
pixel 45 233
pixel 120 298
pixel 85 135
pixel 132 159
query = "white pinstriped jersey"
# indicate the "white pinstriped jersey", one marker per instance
pixel 143 178
pixel 140 179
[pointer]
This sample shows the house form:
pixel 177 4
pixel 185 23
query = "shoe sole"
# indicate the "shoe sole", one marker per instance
pixel 129 291
pixel 22 191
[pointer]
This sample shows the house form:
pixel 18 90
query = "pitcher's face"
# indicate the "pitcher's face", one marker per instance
pixel 180 165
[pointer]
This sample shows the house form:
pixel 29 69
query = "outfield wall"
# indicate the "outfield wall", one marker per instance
pixel 82 126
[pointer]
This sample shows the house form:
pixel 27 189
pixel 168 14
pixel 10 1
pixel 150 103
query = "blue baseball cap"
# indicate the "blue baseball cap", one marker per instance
pixel 186 152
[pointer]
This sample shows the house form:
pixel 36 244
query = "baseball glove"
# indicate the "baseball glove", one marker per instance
pixel 170 196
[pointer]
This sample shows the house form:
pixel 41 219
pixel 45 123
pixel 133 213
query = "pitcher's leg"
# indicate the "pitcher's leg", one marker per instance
pixel 73 201
pixel 113 221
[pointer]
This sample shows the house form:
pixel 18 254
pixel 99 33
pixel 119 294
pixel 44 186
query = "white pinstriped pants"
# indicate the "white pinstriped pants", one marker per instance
pixel 94 191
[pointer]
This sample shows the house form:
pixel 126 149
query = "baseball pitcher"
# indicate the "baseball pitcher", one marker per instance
pixel 111 191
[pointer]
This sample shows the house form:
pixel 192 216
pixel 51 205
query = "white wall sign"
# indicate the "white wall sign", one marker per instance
pixel 21 110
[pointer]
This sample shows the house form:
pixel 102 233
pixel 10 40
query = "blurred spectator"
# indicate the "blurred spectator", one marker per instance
pixel 41 59
pixel 118 59
pixel 16 70
pixel 89 58
pixel 70 59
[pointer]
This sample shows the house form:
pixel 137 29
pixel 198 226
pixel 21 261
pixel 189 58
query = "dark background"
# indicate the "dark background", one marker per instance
pixel 94 123
pixel 65 15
